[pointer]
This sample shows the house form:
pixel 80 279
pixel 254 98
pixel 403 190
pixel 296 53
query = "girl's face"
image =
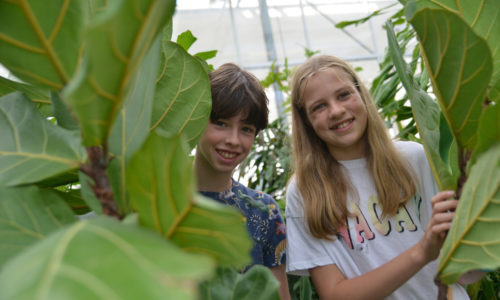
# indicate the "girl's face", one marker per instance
pixel 225 143
pixel 337 113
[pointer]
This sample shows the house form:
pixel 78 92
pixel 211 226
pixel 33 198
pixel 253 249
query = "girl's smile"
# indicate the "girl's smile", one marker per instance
pixel 336 113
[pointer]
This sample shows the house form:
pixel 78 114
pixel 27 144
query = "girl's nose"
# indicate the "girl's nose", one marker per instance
pixel 336 109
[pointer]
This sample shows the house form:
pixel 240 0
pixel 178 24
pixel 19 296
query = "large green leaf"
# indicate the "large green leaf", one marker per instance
pixel 473 242
pixel 160 181
pixel 183 100
pixel 27 215
pixel 459 64
pixel 483 16
pixel 427 116
pixel 40 41
pixel 103 259
pixel 32 148
pixel 117 41
pixel 257 283
pixel 131 127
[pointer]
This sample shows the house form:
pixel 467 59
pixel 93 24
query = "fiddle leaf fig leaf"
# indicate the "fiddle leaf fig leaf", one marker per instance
pixel 32 148
pixel 40 42
pixel 117 41
pixel 427 116
pixel 131 127
pixel 93 258
pixel 183 100
pixel 460 67
pixel 481 16
pixel 489 131
pixel 162 190
pixel 27 215
pixel 473 242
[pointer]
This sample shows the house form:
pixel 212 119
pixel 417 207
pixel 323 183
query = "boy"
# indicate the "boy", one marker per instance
pixel 239 112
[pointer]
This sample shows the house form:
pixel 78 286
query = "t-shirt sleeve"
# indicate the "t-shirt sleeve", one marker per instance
pixel 303 250
pixel 274 253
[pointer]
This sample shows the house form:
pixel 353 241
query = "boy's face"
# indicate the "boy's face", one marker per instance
pixel 226 143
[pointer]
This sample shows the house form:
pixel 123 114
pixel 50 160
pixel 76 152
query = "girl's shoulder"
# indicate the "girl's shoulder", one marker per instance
pixel 411 150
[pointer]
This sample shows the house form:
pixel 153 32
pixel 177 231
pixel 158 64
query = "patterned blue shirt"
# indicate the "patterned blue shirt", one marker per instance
pixel 263 219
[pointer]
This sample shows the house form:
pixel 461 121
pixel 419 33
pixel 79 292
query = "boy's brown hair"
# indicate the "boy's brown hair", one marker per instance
pixel 235 91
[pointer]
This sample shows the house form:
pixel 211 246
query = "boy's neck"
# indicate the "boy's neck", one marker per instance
pixel 209 180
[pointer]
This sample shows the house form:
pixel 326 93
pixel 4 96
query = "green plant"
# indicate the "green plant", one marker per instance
pixel 460 131
pixel 103 118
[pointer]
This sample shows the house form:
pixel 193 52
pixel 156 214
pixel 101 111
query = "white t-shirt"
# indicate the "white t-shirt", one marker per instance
pixel 369 242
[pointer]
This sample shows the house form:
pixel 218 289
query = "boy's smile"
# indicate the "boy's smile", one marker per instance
pixel 225 144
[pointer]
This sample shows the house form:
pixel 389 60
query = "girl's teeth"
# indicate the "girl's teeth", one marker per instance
pixel 340 126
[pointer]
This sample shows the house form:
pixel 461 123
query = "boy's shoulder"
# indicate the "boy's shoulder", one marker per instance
pixel 242 191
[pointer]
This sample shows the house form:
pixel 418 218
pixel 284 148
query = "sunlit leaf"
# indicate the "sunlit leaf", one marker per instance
pixel 459 65
pixel 32 148
pixel 101 258
pixel 183 100
pixel 40 41
pixel 473 242
pixel 160 181
pixel 117 40
pixel 257 283
pixel 131 127
pixel 427 116
pixel 186 39
pixel 27 215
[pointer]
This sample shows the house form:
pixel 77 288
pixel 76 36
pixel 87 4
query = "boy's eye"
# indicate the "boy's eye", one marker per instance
pixel 249 129
pixel 219 123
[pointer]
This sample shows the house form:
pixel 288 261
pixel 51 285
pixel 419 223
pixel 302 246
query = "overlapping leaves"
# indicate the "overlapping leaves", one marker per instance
pixel 32 148
pixel 103 259
pixel 473 242
pixel 117 41
pixel 459 64
pixel 43 46
pixel 161 186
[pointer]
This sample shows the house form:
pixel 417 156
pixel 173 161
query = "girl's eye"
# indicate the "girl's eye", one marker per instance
pixel 344 95
pixel 318 107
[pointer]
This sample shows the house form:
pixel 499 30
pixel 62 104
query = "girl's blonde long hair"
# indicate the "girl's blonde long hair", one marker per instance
pixel 320 179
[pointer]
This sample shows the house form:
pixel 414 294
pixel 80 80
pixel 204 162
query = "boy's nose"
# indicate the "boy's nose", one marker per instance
pixel 232 137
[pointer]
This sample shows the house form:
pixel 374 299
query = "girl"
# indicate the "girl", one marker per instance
pixel 364 216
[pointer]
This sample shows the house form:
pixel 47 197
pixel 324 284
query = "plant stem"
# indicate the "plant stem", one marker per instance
pixel 96 169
